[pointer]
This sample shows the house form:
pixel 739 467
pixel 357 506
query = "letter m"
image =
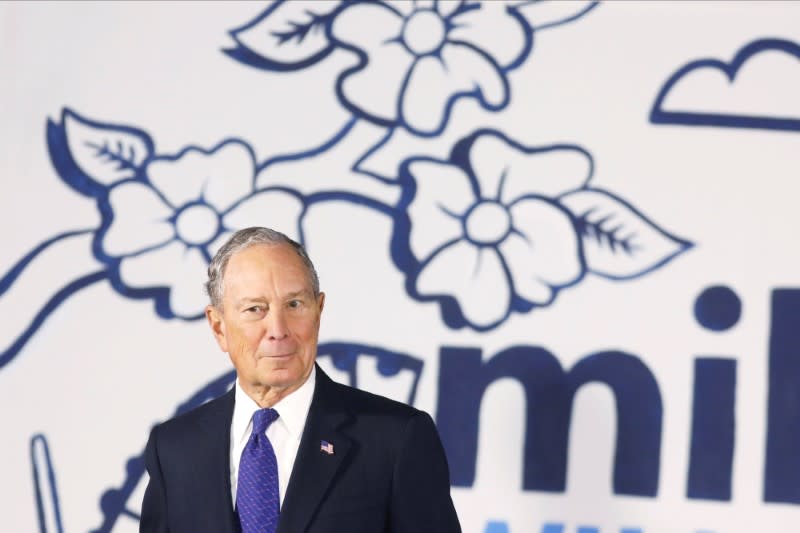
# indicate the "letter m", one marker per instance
pixel 549 394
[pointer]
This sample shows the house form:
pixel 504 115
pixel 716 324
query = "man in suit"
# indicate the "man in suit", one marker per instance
pixel 288 450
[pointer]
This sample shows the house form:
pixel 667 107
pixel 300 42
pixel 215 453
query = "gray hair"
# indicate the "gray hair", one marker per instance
pixel 244 239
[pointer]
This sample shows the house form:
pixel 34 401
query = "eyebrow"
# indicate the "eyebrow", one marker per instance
pixel 298 293
pixel 249 300
pixel 260 299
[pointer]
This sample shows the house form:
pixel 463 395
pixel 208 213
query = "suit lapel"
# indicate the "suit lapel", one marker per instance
pixel 216 423
pixel 314 469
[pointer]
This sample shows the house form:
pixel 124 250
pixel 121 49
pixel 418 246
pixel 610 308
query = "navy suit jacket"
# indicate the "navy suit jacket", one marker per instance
pixel 388 472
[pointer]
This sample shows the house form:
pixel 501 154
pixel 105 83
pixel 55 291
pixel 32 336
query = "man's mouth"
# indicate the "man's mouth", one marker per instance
pixel 275 355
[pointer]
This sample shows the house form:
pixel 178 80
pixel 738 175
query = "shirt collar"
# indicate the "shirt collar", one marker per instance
pixel 293 409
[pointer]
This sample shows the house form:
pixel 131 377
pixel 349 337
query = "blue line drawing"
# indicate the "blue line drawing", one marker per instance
pixel 159 210
pixel 733 72
pixel 305 154
pixel 358 164
pixel 426 57
pixel 164 215
pixel 45 487
pixel 620 242
pixel 8 353
pixel 286 36
pixel 513 226
pixel 90 156
pixel 501 228
pixel 52 304
pixel 15 271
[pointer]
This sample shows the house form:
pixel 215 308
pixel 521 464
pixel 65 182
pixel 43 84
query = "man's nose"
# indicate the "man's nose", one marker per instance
pixel 276 325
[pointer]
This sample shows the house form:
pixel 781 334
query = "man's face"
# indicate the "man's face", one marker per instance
pixel 269 320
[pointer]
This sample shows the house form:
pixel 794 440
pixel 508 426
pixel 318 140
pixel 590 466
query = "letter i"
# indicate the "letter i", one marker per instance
pixel 716 309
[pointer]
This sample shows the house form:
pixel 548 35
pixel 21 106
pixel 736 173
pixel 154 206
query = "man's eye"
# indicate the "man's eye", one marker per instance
pixel 254 309
pixel 295 303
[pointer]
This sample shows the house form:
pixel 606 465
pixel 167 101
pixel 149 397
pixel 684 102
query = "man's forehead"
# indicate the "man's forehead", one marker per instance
pixel 265 256
pixel 267 263
pixel 264 249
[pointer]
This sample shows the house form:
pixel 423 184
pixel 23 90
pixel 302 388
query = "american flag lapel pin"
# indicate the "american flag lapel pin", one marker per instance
pixel 325 446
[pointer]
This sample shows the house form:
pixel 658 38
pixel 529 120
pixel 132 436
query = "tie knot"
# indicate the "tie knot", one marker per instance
pixel 262 419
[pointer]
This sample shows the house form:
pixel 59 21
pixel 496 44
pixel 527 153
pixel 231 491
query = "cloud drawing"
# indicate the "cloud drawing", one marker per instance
pixel 759 88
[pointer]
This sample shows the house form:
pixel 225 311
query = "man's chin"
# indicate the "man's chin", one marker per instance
pixel 279 377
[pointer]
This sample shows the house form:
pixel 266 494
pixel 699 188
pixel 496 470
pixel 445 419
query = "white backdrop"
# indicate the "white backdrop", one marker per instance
pixel 563 178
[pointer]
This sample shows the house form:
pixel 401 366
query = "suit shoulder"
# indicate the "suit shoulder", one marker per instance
pixel 193 419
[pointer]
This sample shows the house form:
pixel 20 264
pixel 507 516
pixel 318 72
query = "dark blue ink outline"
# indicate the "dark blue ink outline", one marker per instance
pixel 51 478
pixel 581 223
pixel 561 22
pixel 15 271
pixel 660 116
pixel 245 55
pixel 345 355
pixel 476 93
pixel 340 134
pixel 67 168
pixel 161 294
pixel 405 260
pixel 69 172
pixel 52 304
pixel 248 57
pixel 399 121
pixel 356 167
pixel 522 305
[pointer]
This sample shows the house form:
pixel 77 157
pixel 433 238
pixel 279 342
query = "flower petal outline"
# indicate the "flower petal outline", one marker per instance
pixel 220 176
pixel 441 212
pixel 135 262
pixel 481 290
pixel 269 207
pixel 434 84
pixel 506 170
pixel 490 97
pixel 348 27
pixel 176 269
pixel 481 28
pixel 140 220
pixel 544 252
pixel 536 288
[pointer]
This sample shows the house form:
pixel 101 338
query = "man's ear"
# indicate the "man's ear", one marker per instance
pixel 321 301
pixel 217 324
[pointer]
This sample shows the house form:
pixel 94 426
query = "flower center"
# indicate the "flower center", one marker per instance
pixel 487 222
pixel 197 224
pixel 424 32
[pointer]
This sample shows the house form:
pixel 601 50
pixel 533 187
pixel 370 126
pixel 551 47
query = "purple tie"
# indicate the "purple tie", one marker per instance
pixel 258 499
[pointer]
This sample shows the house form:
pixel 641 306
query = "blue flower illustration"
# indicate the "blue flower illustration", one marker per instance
pixel 492 235
pixel 418 58
pixel 500 227
pixel 161 231
pixel 161 217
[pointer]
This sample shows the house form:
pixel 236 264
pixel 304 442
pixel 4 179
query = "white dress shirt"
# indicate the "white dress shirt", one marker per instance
pixel 284 434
